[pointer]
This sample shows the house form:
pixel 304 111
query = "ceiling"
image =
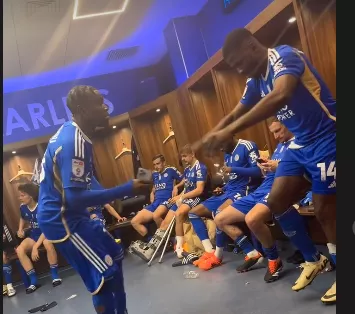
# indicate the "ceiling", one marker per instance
pixel 52 41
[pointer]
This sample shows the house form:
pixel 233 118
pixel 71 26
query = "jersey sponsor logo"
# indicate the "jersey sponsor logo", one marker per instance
pixel 78 168
pixel 160 186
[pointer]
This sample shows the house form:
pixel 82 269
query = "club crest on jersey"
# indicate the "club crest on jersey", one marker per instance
pixel 236 157
pixel 78 168
pixel 108 260
pixel 165 175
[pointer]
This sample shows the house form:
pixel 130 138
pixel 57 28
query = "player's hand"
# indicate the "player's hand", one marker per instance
pixel 212 143
pixel 270 165
pixel 175 191
pixel 141 185
pixel 35 254
pixel 226 169
pixel 121 219
pixel 174 199
pixel 21 233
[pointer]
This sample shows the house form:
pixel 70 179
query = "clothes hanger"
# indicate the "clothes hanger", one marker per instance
pixel 124 150
pixel 21 176
pixel 171 134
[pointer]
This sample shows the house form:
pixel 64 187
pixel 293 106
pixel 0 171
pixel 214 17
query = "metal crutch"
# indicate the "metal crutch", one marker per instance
pixel 165 234
pixel 166 243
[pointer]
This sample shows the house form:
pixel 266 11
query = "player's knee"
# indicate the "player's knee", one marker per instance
pixel 48 246
pixel 219 221
pixel 20 251
pixel 253 222
pixel 135 221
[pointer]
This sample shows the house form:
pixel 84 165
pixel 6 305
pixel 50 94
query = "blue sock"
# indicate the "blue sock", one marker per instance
pixel 294 228
pixel 220 238
pixel 23 273
pixel 199 226
pixel 54 271
pixel 245 245
pixel 256 243
pixel 119 290
pixel 271 253
pixel 7 270
pixel 112 296
pixel 104 300
pixel 33 277
pixel 333 252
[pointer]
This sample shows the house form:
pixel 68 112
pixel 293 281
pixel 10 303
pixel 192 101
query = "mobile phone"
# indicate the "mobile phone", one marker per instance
pixel 261 161
pixel 144 174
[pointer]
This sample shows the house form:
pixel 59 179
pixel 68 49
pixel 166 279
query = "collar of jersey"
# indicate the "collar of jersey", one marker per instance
pixel 33 209
pixel 190 167
pixel 84 135
pixel 268 68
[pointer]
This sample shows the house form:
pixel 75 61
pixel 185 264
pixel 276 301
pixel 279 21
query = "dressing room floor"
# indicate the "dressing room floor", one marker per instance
pixel 161 289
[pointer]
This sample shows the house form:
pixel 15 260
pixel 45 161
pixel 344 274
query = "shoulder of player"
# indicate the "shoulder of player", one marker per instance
pixel 248 145
pixel 280 52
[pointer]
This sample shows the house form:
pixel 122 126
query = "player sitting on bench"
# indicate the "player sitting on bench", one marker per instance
pixel 164 188
pixel 31 244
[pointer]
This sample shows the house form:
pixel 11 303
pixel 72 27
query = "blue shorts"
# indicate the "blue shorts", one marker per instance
pixel 152 207
pixel 92 252
pixel 214 202
pixel 317 160
pixel 34 236
pixel 246 203
pixel 191 202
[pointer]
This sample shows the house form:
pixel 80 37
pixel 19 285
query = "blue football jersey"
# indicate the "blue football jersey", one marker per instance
pixel 311 112
pixel 97 210
pixel 245 154
pixel 194 174
pixel 30 216
pixel 164 182
pixel 277 155
pixel 67 162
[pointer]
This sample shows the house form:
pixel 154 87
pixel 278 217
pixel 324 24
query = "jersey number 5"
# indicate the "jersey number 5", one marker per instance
pixel 327 172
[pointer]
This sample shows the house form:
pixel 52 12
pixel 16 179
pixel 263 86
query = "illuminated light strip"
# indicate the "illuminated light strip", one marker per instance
pixel 77 17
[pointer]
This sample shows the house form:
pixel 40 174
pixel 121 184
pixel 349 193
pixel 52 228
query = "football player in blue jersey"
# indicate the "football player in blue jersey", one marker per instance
pixel 193 181
pixel 283 82
pixel 31 244
pixel 164 179
pixel 195 177
pixel 240 164
pixel 66 193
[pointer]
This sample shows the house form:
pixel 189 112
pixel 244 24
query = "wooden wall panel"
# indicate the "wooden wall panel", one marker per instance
pixel 112 172
pixel 11 204
pixel 317 24
pixel 230 87
pixel 150 129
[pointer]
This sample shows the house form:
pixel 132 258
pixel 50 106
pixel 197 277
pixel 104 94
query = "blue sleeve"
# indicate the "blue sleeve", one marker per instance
pixel 252 155
pixel 22 212
pixel 253 172
pixel 251 95
pixel 177 175
pixel 76 197
pixel 201 173
pixel 95 185
pixel 74 161
pixel 289 62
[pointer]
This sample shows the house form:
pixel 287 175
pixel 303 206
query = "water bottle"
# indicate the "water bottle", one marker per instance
pixel 191 274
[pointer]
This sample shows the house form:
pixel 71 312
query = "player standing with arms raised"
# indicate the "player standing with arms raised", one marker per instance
pixel 282 82
pixel 65 194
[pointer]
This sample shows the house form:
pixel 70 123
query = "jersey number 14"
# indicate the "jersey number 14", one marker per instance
pixel 327 172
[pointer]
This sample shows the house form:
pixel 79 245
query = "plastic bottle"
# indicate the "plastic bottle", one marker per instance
pixel 191 274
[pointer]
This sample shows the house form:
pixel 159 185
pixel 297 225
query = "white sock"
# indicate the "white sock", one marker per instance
pixel 332 248
pixel 253 253
pixel 179 242
pixel 219 252
pixel 207 245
